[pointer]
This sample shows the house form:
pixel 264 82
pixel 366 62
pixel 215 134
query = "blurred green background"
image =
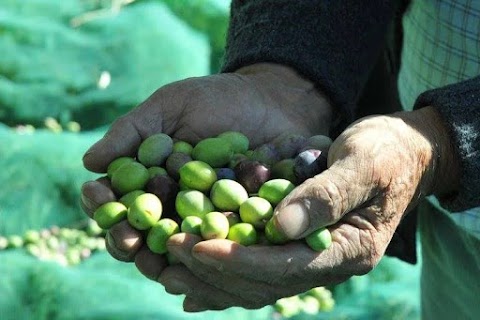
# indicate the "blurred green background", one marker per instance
pixel 67 70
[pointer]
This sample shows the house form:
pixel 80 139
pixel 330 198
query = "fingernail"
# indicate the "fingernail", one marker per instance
pixel 89 204
pixel 206 259
pixel 190 306
pixel 293 220
pixel 178 252
pixel 175 286
pixel 86 154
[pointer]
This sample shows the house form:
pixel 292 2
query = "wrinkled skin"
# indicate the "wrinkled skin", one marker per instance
pixel 262 101
pixel 378 169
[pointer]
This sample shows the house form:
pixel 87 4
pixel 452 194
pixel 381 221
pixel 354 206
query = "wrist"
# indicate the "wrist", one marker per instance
pixel 444 171
pixel 280 72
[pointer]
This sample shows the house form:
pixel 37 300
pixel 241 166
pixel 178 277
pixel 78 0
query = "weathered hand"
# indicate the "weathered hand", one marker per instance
pixel 262 101
pixel 378 169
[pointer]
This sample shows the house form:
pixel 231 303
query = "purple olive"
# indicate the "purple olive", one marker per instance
pixel 309 163
pixel 174 162
pixel 251 175
pixel 225 173
pixel 166 189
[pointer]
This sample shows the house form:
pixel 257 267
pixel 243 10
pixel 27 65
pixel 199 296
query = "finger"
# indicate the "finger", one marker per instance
pixel 125 239
pixel 94 194
pixel 291 265
pixel 115 252
pixel 249 289
pixel 126 134
pixel 322 200
pixel 179 280
pixel 363 239
pixel 149 263
pixel 191 305
pixel 122 139
pixel 181 244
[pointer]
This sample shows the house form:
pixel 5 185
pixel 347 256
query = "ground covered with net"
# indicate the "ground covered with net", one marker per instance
pixel 67 70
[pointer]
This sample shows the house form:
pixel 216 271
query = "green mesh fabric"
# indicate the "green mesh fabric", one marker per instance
pixel 41 177
pixel 71 59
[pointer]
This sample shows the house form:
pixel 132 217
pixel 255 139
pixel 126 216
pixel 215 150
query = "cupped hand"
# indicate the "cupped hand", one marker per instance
pixel 262 101
pixel 378 169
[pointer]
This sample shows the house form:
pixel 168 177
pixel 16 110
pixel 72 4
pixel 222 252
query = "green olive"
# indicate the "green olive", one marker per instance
pixel 129 177
pixel 256 210
pixel 243 233
pixel 228 195
pixel 319 240
pixel 160 233
pixel 197 175
pixel 193 203
pixel 117 163
pixel 154 150
pixel 191 224
pixel 109 214
pixel 145 211
pixel 214 226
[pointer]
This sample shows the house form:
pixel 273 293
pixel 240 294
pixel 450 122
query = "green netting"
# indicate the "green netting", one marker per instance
pixel 209 17
pixel 99 288
pixel 41 177
pixel 105 66
pixel 103 288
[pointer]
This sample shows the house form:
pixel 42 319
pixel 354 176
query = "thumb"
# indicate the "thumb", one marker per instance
pixel 122 139
pixel 124 136
pixel 324 199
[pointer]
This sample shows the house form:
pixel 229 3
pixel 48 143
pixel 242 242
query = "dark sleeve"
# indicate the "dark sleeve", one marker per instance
pixel 459 106
pixel 333 43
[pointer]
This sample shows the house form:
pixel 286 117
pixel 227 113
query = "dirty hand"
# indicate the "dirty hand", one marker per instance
pixel 261 100
pixel 378 169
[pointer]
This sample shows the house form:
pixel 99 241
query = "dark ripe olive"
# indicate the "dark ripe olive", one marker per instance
pixel 174 162
pixel 309 163
pixel 251 175
pixel 225 173
pixel 165 188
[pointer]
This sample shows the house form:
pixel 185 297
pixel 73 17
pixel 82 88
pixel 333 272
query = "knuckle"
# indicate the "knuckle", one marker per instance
pixel 328 199
pixel 370 259
pixel 121 122
pixel 365 267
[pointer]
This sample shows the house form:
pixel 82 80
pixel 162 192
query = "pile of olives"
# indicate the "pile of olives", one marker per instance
pixel 217 189
pixel 315 300
pixel 67 246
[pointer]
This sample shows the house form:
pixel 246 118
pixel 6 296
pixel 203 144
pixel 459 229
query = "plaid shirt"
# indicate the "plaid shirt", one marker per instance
pixel 441 46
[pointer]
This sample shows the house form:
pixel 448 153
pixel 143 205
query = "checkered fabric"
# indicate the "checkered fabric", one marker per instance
pixel 441 46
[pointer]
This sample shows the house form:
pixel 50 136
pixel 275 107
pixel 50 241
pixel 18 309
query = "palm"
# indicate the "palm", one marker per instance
pixel 260 106
pixel 205 107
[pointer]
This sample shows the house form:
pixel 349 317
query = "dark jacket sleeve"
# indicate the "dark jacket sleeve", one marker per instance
pixel 333 43
pixel 459 106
